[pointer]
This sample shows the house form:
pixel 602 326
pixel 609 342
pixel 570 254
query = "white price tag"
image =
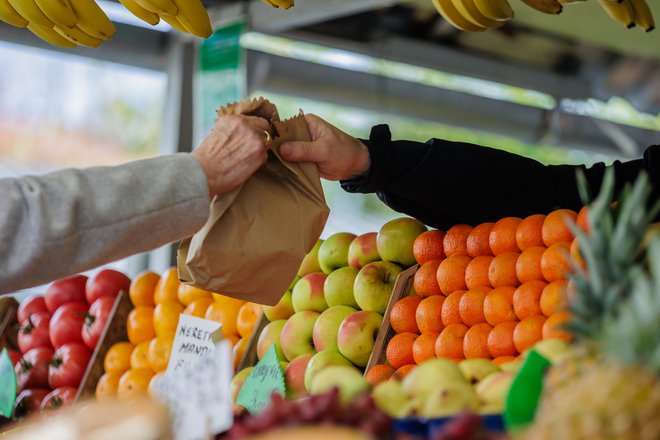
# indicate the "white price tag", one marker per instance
pixel 192 340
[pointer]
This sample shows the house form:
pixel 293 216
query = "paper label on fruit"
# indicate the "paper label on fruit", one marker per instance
pixel 198 397
pixel 7 385
pixel 265 379
pixel 193 340
pixel 525 391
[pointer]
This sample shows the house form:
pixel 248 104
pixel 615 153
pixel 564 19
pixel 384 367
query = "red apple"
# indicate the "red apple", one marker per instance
pixel 327 325
pixel 296 336
pixel 294 375
pixel 271 335
pixel 363 250
pixel 356 336
pixel 308 293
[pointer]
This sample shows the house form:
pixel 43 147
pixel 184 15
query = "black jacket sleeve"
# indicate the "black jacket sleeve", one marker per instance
pixel 443 183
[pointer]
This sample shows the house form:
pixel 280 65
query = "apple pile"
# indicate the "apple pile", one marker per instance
pixel 58 333
pixel 333 311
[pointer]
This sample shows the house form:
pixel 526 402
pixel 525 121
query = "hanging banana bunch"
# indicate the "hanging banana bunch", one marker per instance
pixel 71 23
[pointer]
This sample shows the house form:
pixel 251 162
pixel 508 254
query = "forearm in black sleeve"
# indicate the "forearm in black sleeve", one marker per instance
pixel 443 183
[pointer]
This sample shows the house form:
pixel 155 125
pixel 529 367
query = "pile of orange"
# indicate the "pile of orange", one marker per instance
pixel 490 291
pixel 158 301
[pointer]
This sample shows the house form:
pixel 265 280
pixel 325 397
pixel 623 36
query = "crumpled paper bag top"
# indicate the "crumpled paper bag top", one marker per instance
pixel 256 236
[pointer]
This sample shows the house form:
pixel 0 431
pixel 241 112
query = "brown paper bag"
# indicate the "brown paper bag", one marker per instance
pixel 256 237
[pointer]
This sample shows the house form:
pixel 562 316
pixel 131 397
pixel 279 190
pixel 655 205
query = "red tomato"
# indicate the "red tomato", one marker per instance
pixel 29 401
pixel 14 356
pixel 59 398
pixel 34 332
pixel 68 365
pixel 108 282
pixel 95 320
pixel 66 324
pixel 65 291
pixel 32 369
pixel 33 304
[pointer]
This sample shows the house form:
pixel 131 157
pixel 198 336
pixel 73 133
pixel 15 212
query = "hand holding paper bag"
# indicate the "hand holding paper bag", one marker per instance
pixel 256 236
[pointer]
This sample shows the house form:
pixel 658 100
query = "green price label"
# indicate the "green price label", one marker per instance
pixel 7 385
pixel 525 392
pixel 264 380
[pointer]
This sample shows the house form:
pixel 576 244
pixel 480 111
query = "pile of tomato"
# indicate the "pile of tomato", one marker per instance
pixel 58 333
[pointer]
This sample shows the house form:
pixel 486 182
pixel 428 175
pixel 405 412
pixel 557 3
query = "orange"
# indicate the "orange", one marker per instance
pixel 502 270
pixel 451 273
pixel 166 317
pixel 475 342
pixel 527 299
pixel 455 241
pixel 451 313
pixel 528 332
pixel 476 273
pixel 498 305
pixel 187 294
pixel 502 237
pixel 198 307
pixel 134 384
pixel 582 220
pixel 160 349
pixel 500 340
pixel 449 344
pixel 503 360
pixel 429 314
pixel 471 306
pixel 553 327
pixel 528 232
pixel 117 359
pixel 379 373
pixel 239 350
pixel 142 288
pixel 477 240
pixel 555 227
pixel 247 318
pixel 402 372
pixel 528 266
pixel 428 246
pixel 402 315
pixel 225 312
pixel 576 256
pixel 553 297
pixel 167 288
pixel 106 387
pixel 399 351
pixel 424 346
pixel 140 355
pixel 555 262
pixel 425 282
pixel 140 325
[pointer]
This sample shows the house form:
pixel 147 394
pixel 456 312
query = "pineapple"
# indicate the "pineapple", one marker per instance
pixel 609 388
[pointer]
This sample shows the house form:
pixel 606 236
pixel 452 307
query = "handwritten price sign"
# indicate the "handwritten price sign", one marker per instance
pixel 193 340
pixel 267 377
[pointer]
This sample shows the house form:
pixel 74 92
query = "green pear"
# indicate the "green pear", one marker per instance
pixel 348 379
pixel 475 370
pixel 390 397
pixel 493 389
pixel 449 399
pixel 427 376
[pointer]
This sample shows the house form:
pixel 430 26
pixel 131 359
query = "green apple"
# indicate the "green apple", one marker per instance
pixel 296 337
pixel 310 262
pixel 326 329
pixel 449 399
pixel 357 334
pixel 271 335
pixel 390 398
pixel 493 389
pixel 308 293
pixel 363 250
pixel 333 253
pixel 475 370
pixel 430 374
pixel 373 285
pixel 282 310
pixel 237 382
pixel 320 361
pixel 395 240
pixel 347 379
pixel 294 376
pixel 338 287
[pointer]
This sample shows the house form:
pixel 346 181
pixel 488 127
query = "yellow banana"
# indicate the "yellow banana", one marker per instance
pixel 449 12
pixel 50 36
pixel 545 6
pixel 160 7
pixel 58 11
pixel 193 16
pixel 78 36
pixel 174 22
pixel 284 4
pixel 92 20
pixel 469 11
pixel 495 9
pixel 620 12
pixel 9 15
pixel 29 10
pixel 642 15
pixel 143 14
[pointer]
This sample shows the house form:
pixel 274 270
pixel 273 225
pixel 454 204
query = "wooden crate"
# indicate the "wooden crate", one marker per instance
pixel 402 288
pixel 9 323
pixel 250 358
